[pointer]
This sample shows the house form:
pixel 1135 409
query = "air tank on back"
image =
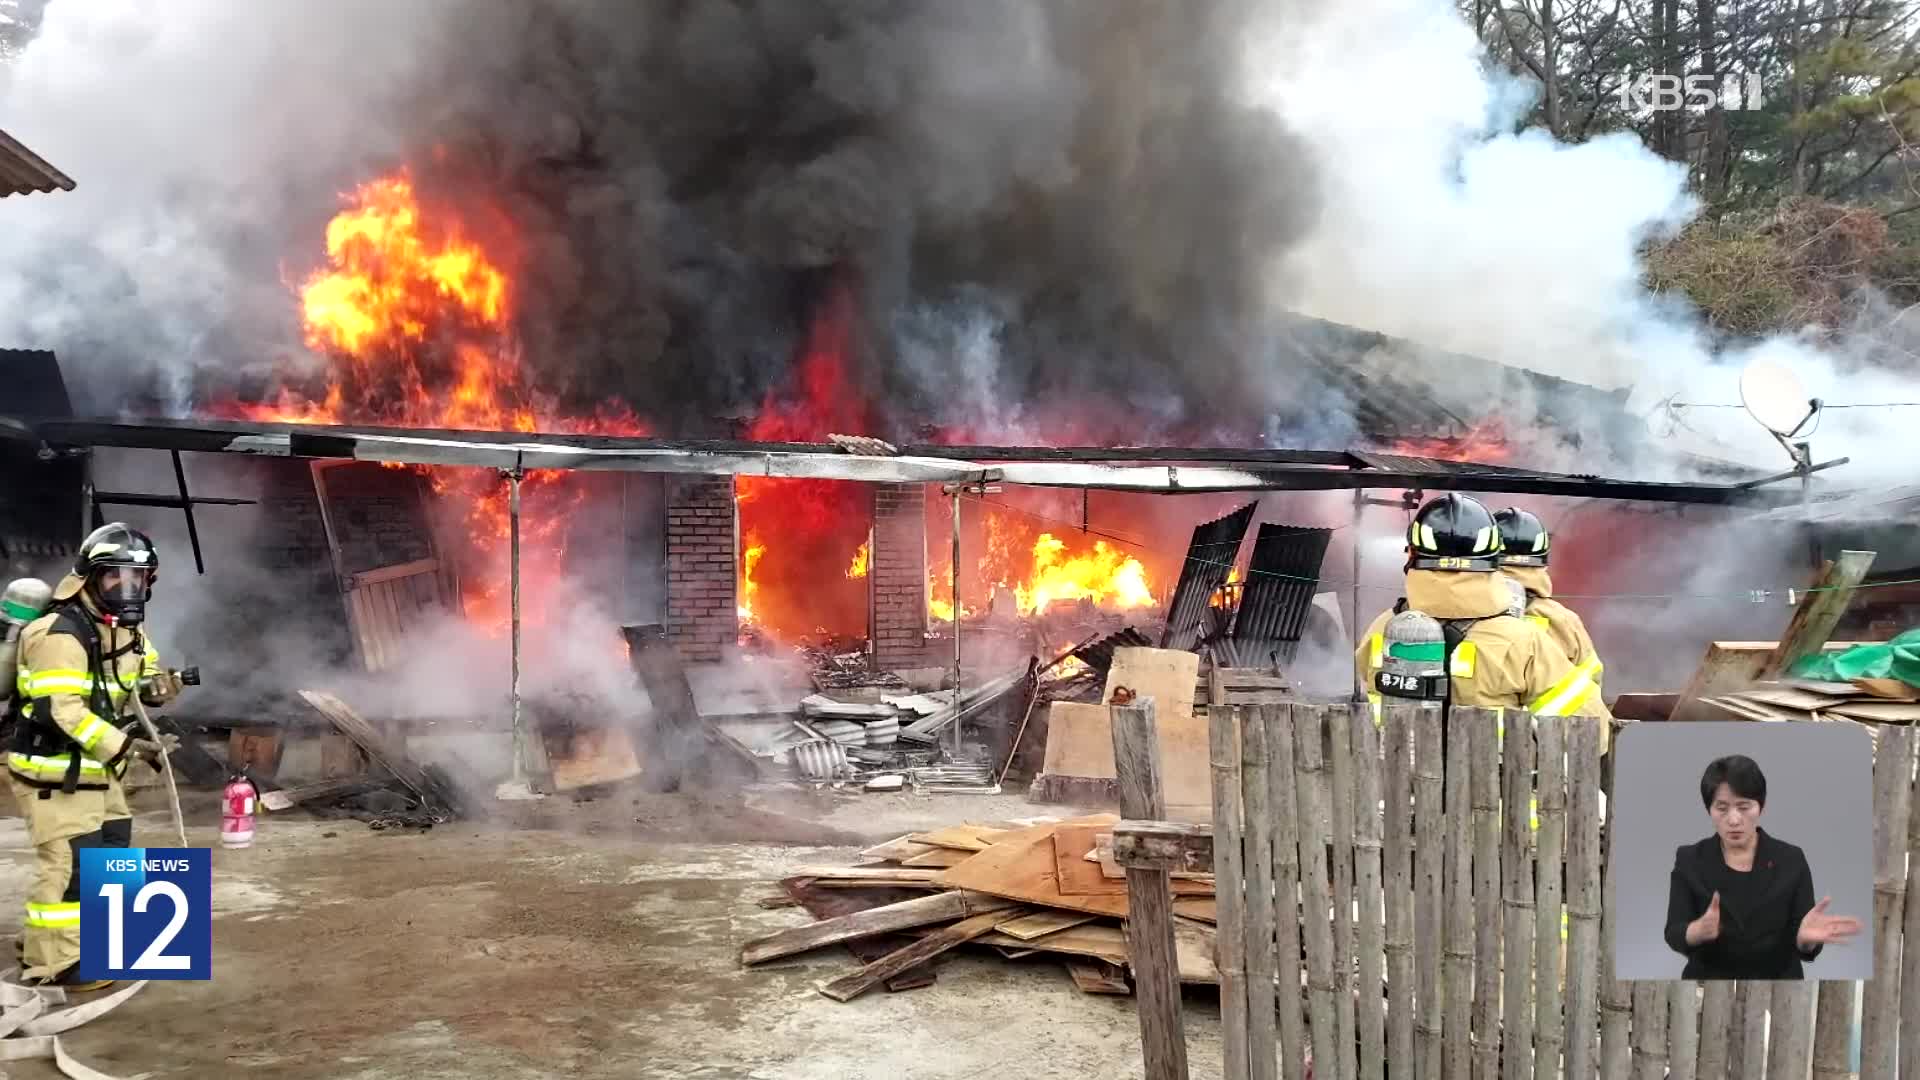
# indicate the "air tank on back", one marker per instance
pixel 24 601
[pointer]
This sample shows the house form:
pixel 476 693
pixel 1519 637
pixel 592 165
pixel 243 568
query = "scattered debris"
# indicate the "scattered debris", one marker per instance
pixel 394 791
pixel 1021 889
pixel 1803 699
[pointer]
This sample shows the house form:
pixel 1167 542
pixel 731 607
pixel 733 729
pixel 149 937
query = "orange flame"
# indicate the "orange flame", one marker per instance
pixel 1486 443
pixel 810 533
pixel 1104 575
pixel 1220 596
pixel 1040 568
pixel 415 317
pixel 858 569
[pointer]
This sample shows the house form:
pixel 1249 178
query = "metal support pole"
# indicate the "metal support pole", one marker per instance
pixel 1359 510
pixel 954 578
pixel 520 775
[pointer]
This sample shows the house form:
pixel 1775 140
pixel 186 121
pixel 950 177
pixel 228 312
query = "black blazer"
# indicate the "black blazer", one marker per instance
pixel 1760 910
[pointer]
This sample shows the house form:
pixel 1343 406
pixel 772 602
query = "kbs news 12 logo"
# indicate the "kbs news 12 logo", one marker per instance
pixel 145 913
pixel 1648 92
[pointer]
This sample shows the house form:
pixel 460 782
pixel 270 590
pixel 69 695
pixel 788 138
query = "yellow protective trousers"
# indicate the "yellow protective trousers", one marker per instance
pixel 59 824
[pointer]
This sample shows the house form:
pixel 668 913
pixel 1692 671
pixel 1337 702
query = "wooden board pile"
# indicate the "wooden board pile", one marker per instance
pixel 1871 702
pixel 1028 891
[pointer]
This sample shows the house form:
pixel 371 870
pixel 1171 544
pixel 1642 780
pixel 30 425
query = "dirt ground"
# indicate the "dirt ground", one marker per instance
pixel 595 939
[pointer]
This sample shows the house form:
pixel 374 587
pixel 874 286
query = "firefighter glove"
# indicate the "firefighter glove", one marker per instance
pixel 148 750
pixel 159 689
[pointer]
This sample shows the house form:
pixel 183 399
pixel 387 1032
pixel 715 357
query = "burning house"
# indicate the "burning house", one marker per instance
pixel 602 270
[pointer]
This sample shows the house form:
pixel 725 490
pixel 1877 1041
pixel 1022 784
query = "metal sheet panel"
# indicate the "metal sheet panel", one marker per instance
pixel 1099 654
pixel 1282 579
pixel 1210 558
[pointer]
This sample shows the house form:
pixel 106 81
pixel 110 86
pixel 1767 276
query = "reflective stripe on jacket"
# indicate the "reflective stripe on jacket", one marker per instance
pixel 55 683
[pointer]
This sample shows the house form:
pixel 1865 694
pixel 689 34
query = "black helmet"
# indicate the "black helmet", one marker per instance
pixel 117 564
pixel 1524 539
pixel 1453 532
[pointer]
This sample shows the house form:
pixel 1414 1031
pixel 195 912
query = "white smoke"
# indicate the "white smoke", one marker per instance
pixel 1449 227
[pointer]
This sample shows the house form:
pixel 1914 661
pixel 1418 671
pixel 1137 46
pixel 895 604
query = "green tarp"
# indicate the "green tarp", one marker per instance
pixel 1896 659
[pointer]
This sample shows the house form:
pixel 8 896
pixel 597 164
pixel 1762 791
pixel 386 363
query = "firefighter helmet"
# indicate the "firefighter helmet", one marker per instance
pixel 1453 532
pixel 118 564
pixel 1523 538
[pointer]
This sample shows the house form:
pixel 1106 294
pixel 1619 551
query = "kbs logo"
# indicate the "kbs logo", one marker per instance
pixel 1667 93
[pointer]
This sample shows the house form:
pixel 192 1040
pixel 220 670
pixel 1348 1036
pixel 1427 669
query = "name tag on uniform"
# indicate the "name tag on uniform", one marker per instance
pixel 146 913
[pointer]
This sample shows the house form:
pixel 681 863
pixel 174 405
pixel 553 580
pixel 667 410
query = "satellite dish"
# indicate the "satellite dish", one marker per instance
pixel 1773 395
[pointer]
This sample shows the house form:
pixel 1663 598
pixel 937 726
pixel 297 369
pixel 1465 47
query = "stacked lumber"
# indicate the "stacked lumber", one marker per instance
pixel 1869 702
pixel 1037 890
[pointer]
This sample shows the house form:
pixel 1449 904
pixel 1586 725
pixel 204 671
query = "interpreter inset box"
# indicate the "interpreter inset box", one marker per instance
pixel 1742 850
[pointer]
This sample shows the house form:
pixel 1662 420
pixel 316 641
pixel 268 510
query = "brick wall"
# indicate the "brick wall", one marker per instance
pixel 702 613
pixel 898 575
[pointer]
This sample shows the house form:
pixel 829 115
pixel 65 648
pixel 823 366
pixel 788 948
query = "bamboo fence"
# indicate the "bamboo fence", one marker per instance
pixel 1381 908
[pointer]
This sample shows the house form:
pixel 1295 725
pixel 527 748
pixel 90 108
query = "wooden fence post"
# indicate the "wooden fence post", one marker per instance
pixel 1683 1031
pixel 1650 1030
pixel 1485 744
pixel 1747 1032
pixel 1584 963
pixel 1316 893
pixel 1892 805
pixel 1514 1046
pixel 1136 760
pixel 1790 1046
pixel 1229 898
pixel 1550 846
pixel 1340 818
pixel 1716 1030
pixel 1258 873
pixel 1616 997
pixel 1909 954
pixel 1457 1032
pixel 1367 838
pixel 1434 833
pixel 1832 1032
pixel 1399 882
pixel 1283 786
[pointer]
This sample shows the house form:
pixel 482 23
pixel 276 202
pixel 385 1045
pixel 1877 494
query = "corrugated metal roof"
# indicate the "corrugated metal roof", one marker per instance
pixel 22 171
pixel 1879 506
pixel 1396 389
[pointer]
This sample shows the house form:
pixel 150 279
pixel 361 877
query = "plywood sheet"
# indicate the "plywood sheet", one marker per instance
pixel 938 858
pixel 1168 676
pixel 1021 867
pixel 960 837
pixel 1080 745
pixel 1079 740
pixel 1102 941
pixel 1078 877
pixel 1042 923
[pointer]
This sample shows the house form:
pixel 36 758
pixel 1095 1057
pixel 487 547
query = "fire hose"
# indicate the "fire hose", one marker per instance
pixel 166 768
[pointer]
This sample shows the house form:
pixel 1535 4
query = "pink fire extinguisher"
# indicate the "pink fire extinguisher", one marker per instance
pixel 236 814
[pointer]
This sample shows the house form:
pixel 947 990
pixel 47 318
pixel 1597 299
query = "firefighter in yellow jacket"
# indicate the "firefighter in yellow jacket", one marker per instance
pixel 79 663
pixel 1525 560
pixel 1500 661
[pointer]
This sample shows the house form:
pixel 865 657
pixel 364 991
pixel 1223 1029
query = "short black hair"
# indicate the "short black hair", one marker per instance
pixel 1742 776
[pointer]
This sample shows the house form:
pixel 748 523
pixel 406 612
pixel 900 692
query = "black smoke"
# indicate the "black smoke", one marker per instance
pixel 1036 200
